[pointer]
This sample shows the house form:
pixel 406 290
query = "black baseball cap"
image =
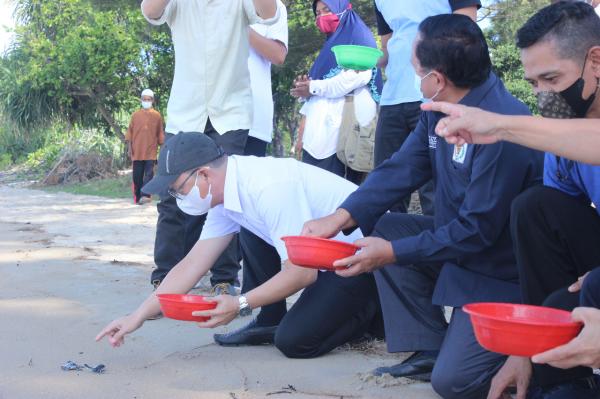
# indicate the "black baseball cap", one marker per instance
pixel 180 153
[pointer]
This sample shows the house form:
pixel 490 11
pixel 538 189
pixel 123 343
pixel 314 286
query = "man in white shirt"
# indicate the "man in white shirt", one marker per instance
pixel 271 197
pixel 268 45
pixel 210 94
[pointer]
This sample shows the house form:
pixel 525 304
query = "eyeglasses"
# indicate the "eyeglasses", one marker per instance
pixel 176 193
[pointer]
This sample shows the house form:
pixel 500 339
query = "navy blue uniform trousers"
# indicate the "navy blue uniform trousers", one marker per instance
pixel 412 322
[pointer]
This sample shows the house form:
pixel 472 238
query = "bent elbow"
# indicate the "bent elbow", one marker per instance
pixel 280 57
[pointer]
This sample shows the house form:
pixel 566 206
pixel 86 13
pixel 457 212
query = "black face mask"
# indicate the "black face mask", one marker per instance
pixel 568 103
pixel 573 97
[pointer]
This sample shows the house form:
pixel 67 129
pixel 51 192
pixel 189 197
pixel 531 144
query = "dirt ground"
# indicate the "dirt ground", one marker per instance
pixel 70 264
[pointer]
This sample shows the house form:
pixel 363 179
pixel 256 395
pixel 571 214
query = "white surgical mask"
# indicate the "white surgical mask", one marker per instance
pixel 193 204
pixel 418 82
pixel 146 104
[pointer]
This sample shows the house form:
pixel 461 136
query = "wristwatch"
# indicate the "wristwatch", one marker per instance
pixel 245 309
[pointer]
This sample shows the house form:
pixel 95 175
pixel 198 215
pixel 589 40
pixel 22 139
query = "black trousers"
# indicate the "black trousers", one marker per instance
pixel 258 258
pixel 334 165
pixel 329 313
pixel 256 147
pixel 177 232
pixel 590 292
pixel 557 239
pixel 393 127
pixel 463 368
pixel 143 172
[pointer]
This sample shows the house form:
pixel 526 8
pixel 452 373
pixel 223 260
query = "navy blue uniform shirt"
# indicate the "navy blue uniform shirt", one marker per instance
pixel 474 188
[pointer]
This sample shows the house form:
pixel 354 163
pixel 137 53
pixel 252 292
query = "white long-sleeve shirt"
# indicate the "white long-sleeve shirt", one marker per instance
pixel 324 109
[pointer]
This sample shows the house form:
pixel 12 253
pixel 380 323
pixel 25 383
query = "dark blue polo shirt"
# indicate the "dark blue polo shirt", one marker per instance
pixel 474 188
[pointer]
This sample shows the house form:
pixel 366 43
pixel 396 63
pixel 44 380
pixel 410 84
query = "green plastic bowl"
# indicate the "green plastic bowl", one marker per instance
pixel 359 58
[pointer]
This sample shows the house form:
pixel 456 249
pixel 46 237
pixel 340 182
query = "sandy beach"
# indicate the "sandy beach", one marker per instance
pixel 71 263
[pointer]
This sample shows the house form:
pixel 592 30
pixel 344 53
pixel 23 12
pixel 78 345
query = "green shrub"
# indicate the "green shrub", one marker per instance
pixel 5 161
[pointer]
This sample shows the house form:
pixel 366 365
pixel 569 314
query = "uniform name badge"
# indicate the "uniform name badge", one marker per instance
pixel 460 153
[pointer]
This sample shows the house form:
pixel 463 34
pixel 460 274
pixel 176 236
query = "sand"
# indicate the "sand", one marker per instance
pixel 70 264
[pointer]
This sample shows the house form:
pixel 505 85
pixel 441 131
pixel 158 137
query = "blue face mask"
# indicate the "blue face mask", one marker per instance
pixel 193 204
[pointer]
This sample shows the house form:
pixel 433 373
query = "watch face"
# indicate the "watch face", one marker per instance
pixel 245 311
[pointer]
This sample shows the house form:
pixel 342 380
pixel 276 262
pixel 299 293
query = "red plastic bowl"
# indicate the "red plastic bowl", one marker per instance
pixel 520 330
pixel 180 307
pixel 317 253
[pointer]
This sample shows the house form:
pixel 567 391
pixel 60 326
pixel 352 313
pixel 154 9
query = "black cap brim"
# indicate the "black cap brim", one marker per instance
pixel 159 185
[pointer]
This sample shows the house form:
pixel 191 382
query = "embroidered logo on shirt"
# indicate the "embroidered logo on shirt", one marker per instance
pixel 460 153
pixel 433 142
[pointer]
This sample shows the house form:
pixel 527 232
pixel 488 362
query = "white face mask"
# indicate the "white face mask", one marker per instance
pixel 193 204
pixel 418 82
pixel 146 104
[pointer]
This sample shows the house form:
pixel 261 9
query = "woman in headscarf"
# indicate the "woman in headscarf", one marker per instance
pixel 327 85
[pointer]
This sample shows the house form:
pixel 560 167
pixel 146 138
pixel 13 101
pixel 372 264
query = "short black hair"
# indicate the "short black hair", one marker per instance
pixel 454 45
pixel 573 26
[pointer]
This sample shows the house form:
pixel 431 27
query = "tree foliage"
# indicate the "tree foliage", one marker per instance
pixel 74 62
pixel 84 62
pixel 506 17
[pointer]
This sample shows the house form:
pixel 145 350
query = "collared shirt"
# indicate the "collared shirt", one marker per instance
pixel 273 198
pixel 210 40
pixel 474 188
pixel 402 19
pixel 145 133
pixel 324 108
pixel 260 77
pixel 574 178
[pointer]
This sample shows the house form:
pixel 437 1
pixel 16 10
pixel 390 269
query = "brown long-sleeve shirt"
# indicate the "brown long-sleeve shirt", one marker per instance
pixel 145 133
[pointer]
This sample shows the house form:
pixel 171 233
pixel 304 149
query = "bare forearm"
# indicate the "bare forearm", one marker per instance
pixel 265 8
pixel 470 12
pixel 270 49
pixel 154 8
pixel 344 219
pixel 383 61
pixel 301 128
pixel 182 278
pixel 285 283
pixel 576 139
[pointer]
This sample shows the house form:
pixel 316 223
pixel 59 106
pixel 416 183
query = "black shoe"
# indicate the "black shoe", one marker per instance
pixel 250 334
pixel 583 388
pixel 418 367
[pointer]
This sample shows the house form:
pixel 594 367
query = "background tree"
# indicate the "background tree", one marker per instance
pixel 505 18
pixel 82 64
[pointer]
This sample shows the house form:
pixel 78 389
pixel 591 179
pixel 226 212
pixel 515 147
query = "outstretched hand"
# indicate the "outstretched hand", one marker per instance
pixel 516 372
pixel 116 330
